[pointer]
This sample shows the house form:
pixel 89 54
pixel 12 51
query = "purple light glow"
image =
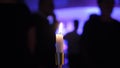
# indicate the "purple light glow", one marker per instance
pixel 66 61
pixel 65 47
pixel 67 15
pixel 32 5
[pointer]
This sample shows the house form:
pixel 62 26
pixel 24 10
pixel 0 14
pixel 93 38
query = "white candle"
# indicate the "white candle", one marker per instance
pixel 59 47
pixel 59 43
pixel 59 39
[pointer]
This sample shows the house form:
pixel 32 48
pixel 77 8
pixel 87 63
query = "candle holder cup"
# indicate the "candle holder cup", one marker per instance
pixel 59 59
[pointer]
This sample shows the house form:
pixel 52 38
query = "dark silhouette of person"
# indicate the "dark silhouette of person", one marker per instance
pixel 73 46
pixel 101 37
pixel 46 8
pixel 42 39
pixel 14 19
pixel 44 43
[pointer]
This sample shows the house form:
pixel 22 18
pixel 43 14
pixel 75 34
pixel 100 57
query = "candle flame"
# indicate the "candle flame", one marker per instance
pixel 60 28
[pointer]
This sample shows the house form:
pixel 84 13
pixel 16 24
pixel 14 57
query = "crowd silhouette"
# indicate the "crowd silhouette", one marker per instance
pixel 28 40
pixel 100 37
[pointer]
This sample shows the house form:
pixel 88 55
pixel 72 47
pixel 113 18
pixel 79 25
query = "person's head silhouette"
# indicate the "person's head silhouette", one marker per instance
pixel 106 7
pixel 76 25
pixel 46 7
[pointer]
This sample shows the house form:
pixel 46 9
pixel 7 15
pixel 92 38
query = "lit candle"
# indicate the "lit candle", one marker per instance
pixel 59 39
pixel 59 47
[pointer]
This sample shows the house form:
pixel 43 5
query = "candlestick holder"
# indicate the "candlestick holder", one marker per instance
pixel 59 57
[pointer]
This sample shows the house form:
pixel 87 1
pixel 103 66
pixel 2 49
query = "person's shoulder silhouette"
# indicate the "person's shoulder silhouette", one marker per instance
pixel 105 18
pixel 101 34
pixel 72 35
